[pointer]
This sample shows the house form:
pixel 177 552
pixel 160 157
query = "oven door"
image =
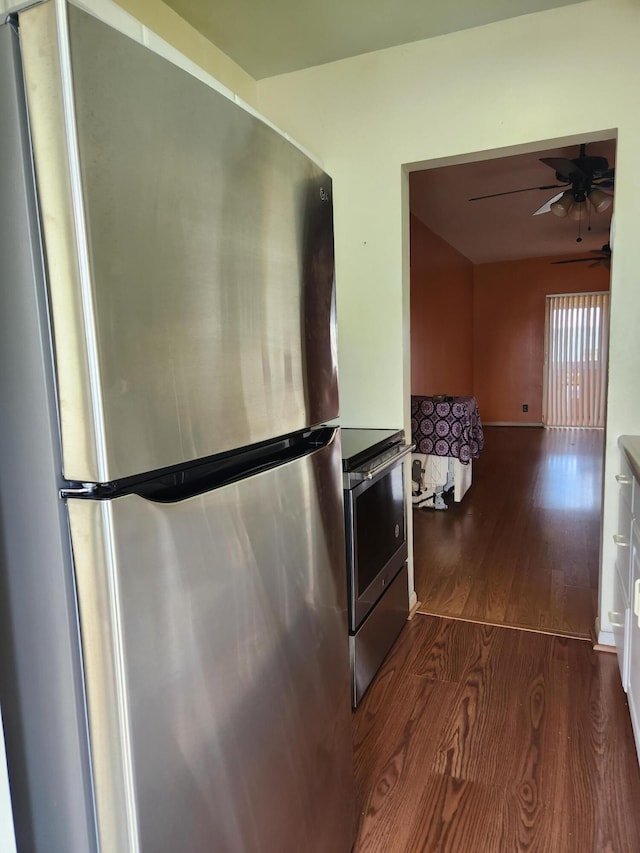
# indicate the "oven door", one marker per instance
pixel 376 531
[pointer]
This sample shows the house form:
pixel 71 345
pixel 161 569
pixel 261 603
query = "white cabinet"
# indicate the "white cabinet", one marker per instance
pixel 619 617
pixel 625 619
pixel 633 685
pixel 620 623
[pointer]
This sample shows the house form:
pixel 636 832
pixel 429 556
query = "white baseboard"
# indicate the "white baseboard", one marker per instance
pixel 413 600
pixel 512 423
pixel 635 720
pixel 606 638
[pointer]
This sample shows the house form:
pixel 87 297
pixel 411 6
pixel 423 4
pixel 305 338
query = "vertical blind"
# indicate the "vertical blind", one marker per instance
pixel 576 350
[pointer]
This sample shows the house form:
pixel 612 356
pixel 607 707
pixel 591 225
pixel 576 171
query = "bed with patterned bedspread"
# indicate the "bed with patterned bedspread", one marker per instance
pixel 447 433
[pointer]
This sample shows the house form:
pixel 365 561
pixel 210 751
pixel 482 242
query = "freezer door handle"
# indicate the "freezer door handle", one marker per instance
pixel 218 472
pixel 177 484
pixel 86 490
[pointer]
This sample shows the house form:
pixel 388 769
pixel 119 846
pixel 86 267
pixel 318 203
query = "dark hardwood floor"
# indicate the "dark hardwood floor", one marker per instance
pixel 522 547
pixel 481 739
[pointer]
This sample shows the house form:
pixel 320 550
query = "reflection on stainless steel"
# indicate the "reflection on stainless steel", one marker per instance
pixel 226 715
pixel 209 261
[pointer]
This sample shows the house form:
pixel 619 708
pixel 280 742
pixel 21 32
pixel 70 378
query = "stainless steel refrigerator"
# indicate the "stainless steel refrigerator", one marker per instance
pixel 175 670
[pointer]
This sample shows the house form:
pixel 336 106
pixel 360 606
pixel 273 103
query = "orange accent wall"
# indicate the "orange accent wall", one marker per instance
pixel 508 323
pixel 480 329
pixel 441 315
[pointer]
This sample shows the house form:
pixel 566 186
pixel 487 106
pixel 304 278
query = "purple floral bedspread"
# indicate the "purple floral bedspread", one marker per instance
pixel 447 428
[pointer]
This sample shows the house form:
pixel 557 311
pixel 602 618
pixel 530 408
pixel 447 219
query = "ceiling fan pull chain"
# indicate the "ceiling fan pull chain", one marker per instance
pixel 579 237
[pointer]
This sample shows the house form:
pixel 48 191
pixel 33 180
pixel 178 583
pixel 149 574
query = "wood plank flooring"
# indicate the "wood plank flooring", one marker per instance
pixel 481 739
pixel 522 547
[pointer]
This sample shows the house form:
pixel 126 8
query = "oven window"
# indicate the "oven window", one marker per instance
pixel 379 525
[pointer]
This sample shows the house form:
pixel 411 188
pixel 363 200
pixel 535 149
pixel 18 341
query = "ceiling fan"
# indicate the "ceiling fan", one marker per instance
pixel 582 179
pixel 603 258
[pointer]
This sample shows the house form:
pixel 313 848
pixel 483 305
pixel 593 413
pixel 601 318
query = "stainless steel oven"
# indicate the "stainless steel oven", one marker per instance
pixel 376 536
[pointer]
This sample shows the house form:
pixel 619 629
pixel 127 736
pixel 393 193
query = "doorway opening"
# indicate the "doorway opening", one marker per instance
pixel 522 547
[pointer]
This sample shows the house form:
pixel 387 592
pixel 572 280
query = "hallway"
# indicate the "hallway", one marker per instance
pixel 522 548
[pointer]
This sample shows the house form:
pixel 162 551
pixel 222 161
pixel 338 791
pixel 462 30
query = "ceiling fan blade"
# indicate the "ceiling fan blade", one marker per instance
pixel 565 168
pixel 573 261
pixel 546 207
pixel 607 174
pixel 512 192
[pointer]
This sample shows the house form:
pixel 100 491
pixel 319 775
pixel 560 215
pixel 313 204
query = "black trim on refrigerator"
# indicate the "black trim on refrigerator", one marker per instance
pixel 178 483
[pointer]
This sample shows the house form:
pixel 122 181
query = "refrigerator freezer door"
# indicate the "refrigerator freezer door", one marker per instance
pixel 216 653
pixel 190 252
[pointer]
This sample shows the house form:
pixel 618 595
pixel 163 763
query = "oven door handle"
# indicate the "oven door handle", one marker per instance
pixel 404 451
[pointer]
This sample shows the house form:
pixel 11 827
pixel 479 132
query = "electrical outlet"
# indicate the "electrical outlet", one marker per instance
pixel 525 407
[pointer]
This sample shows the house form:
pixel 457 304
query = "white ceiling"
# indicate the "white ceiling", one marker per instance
pixel 499 229
pixel 269 37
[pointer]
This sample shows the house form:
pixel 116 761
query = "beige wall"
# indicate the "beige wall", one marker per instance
pixel 524 84
pixel 158 18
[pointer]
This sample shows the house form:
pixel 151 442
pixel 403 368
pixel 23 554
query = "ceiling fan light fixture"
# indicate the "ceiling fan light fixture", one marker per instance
pixel 563 206
pixel 600 200
pixel 578 211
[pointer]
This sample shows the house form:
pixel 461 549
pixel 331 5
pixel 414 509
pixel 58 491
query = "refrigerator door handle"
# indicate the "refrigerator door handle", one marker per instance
pixel 86 490
pixel 188 483
pixel 175 485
